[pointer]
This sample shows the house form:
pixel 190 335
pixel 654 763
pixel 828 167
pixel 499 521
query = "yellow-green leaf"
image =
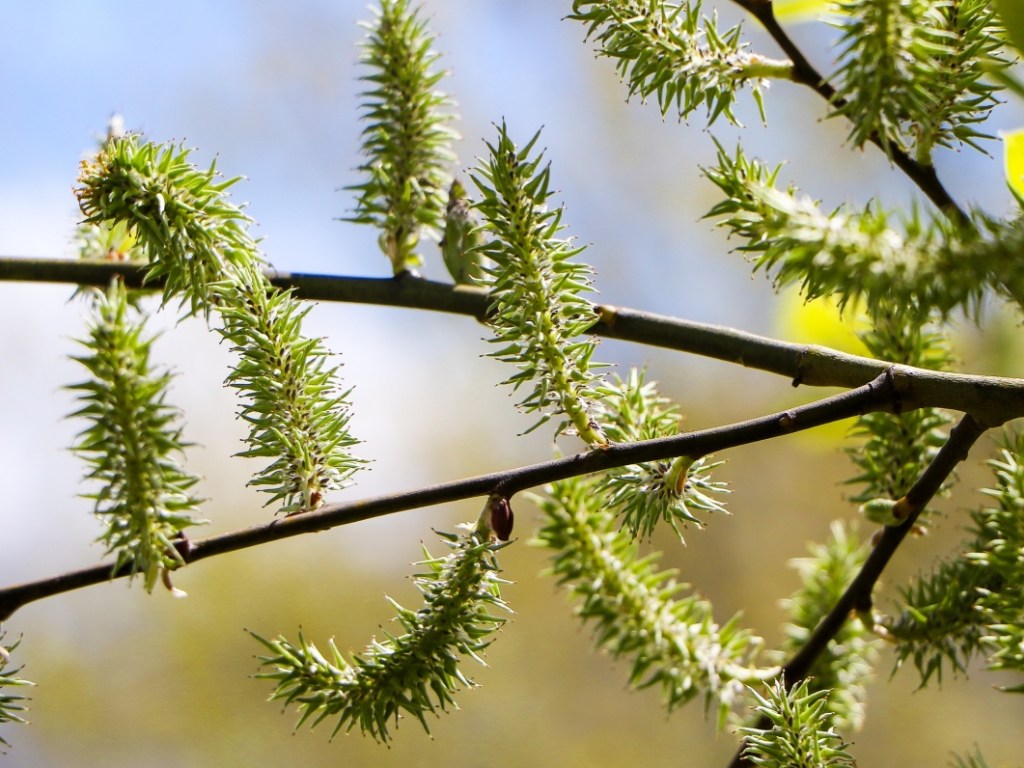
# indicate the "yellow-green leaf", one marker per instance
pixel 818 322
pixel 802 10
pixel 1013 161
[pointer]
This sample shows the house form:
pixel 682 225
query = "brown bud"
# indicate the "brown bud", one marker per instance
pixel 501 517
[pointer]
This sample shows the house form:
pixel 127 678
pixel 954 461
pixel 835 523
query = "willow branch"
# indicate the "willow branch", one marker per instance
pixel 404 291
pixel 882 394
pixel 992 400
pixel 858 595
pixel 805 73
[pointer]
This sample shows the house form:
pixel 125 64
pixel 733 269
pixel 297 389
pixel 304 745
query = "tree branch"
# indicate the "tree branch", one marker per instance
pixel 882 394
pixel 858 595
pixel 924 176
pixel 992 400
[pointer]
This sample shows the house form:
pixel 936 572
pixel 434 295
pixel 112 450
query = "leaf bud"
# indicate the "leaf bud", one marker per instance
pixel 881 511
pixel 497 517
pixel 460 238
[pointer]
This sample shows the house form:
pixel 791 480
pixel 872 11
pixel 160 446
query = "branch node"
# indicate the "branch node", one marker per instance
pixel 607 315
pixel 801 360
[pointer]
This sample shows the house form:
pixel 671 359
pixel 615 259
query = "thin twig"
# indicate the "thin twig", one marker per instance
pixel 805 73
pixel 879 395
pixel 858 595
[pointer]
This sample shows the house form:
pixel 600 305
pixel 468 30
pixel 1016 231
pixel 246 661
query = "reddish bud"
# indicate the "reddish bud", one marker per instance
pixel 501 517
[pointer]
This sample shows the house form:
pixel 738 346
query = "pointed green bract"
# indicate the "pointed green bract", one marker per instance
pixel 923 265
pixel 538 311
pixel 973 760
pixel 414 673
pixel 11 704
pixel 799 734
pixel 638 612
pixel 132 444
pixel 108 242
pixel 1000 551
pixel 894 448
pixel 674 53
pixel 298 415
pixel 193 236
pixel 407 139
pixel 197 242
pixel 642 495
pixel 847 664
pixel 912 73
pixel 973 602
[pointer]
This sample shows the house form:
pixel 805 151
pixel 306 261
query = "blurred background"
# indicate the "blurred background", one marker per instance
pixel 270 90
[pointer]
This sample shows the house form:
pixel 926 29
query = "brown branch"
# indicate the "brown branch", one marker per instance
pixel 882 394
pixel 991 400
pixel 404 291
pixel 858 595
pixel 805 73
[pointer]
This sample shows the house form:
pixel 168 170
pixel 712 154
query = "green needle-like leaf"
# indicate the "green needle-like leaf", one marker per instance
pixel 646 494
pixel 197 241
pixel 407 139
pixel 674 53
pixel 11 705
pixel 416 672
pixel 895 448
pixel 538 308
pixel 132 443
pixel 800 733
pixel 871 257
pixel 846 665
pixel 912 72
pixel 973 602
pixel 193 236
pixel 637 611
